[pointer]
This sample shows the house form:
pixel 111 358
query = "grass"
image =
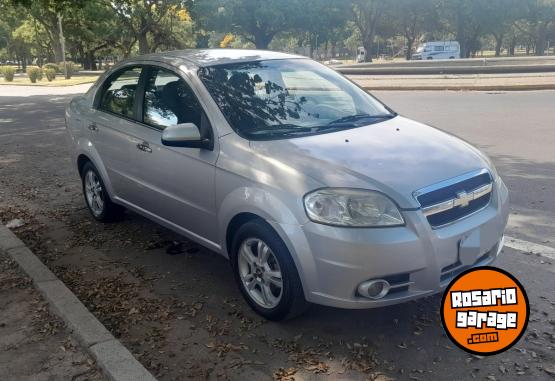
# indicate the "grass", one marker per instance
pixel 59 81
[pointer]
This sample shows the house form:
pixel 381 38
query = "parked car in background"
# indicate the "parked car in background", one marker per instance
pixel 314 190
pixel 438 50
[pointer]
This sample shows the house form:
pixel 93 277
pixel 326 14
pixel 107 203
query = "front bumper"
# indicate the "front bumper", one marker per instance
pixel 415 259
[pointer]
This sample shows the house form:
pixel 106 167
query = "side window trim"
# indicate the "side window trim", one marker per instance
pixel 138 106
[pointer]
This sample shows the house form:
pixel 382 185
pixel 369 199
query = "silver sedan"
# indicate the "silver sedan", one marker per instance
pixel 315 191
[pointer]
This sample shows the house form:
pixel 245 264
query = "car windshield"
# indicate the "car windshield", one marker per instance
pixel 277 99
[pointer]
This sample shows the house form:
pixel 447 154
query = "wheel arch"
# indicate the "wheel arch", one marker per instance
pixel 82 159
pixel 86 153
pixel 235 224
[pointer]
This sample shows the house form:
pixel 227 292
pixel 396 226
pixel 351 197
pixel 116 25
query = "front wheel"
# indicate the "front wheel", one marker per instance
pixel 266 273
pixel 96 197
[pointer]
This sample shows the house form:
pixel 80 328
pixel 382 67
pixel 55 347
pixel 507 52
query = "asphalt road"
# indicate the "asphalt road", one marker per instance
pixel 516 129
pixel 182 314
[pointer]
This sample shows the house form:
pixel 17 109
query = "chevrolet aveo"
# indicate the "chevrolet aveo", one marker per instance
pixel 314 190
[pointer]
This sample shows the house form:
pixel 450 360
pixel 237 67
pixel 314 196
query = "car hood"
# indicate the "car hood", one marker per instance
pixel 396 157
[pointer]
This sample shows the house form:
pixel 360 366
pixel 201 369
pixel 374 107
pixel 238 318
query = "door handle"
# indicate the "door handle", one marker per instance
pixel 93 127
pixel 144 146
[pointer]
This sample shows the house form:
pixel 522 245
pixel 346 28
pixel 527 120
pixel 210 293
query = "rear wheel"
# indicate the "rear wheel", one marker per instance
pixel 99 203
pixel 266 273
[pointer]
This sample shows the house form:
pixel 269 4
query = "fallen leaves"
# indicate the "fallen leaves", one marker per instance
pixel 118 304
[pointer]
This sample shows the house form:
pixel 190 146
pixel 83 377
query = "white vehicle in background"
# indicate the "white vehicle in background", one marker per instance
pixel 361 54
pixel 438 50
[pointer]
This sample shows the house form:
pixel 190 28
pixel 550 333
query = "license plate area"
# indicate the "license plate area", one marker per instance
pixel 471 248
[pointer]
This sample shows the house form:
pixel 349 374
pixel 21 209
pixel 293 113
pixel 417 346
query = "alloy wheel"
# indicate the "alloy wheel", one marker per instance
pixel 94 193
pixel 260 273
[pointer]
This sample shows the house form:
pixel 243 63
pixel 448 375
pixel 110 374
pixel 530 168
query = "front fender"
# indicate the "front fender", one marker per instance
pixel 260 202
pixel 287 223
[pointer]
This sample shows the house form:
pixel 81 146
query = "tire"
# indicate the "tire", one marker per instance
pixel 287 303
pixel 451 58
pixel 98 201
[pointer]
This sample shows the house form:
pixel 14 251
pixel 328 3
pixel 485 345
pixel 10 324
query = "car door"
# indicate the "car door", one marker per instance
pixel 178 182
pixel 112 126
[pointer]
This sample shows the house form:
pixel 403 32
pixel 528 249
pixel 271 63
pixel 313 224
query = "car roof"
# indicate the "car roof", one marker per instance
pixel 210 57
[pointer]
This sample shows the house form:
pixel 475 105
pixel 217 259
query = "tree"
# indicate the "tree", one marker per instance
pixel 257 21
pixel 46 13
pixel 151 21
pixel 366 16
pixel 412 19
pixel 91 28
pixel 538 22
pixel 467 20
pixel 501 15
pixel 322 21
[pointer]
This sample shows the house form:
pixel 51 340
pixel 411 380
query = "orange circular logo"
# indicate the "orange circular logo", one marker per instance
pixel 485 310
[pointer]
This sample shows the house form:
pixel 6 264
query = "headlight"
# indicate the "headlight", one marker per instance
pixel 352 207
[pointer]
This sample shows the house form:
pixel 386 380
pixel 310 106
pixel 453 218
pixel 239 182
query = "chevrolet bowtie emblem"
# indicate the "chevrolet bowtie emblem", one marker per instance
pixel 463 199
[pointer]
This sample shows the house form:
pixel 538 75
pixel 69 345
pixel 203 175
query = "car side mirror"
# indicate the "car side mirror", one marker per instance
pixel 184 135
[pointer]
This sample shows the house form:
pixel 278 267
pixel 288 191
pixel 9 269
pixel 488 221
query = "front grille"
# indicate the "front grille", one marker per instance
pixel 452 191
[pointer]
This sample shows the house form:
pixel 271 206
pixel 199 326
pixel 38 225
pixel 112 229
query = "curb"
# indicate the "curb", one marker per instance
pixel 117 363
pixel 461 88
pixel 408 70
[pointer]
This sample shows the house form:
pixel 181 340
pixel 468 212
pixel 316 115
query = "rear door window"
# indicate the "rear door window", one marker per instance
pixel 119 94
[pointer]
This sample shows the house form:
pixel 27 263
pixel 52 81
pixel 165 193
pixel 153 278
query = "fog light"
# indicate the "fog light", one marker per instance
pixel 374 289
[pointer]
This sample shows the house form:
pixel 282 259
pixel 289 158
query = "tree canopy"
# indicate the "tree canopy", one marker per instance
pixel 29 29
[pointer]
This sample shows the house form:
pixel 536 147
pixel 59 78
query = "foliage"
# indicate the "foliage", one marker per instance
pixel 70 67
pixel 8 72
pixel 366 16
pixel 50 74
pixel 256 21
pixel 34 74
pixel 155 24
pixel 227 40
pixel 94 29
pixel 52 66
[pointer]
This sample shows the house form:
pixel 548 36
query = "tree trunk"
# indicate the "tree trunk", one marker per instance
pixel 262 40
pixel 83 55
pixel 410 44
pixel 90 60
pixel 498 44
pixel 202 41
pixel 143 44
pixel 512 46
pixel 368 46
pixel 57 47
pixel 541 41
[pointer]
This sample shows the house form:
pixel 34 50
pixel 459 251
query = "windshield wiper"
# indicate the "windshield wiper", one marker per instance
pixel 354 118
pixel 282 129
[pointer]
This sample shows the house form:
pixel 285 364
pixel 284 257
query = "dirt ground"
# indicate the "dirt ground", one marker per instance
pixel 175 305
pixel 34 345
